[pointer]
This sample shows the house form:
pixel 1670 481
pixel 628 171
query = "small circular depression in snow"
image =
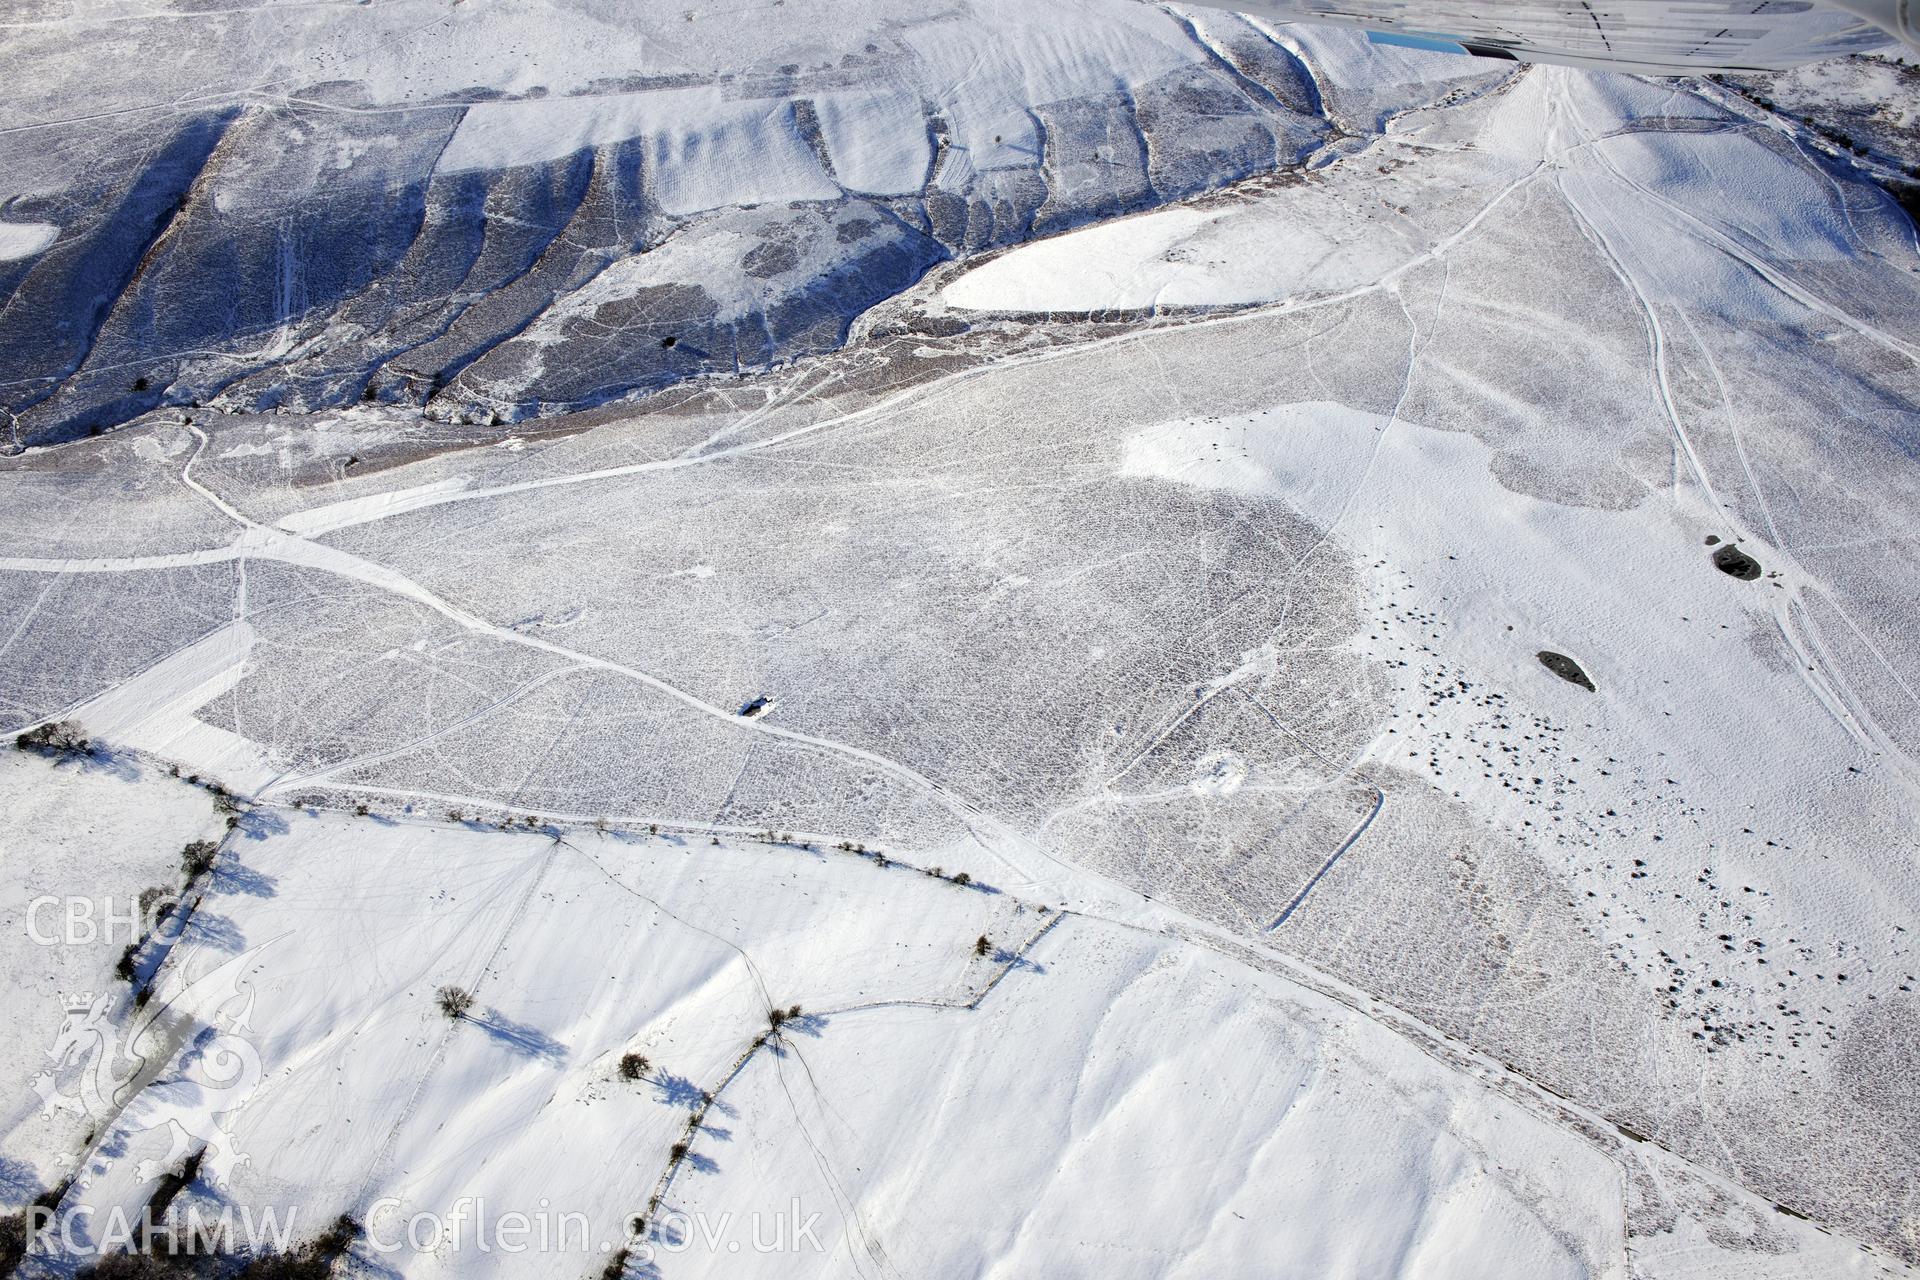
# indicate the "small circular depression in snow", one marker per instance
pixel 1219 773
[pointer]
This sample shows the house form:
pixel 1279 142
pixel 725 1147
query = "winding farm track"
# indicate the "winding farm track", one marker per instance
pixel 296 541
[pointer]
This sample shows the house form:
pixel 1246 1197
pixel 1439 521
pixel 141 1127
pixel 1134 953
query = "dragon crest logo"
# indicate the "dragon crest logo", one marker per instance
pixel 183 1064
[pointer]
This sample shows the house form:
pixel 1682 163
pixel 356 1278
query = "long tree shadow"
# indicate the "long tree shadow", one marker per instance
pixel 678 1091
pixel 1014 960
pixel 206 929
pixel 19 1182
pixel 259 824
pixel 528 1041
pixel 115 763
pixel 810 1025
pixel 229 876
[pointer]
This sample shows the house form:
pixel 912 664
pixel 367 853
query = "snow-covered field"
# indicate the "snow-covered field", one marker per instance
pixel 1098 1090
pixel 1281 656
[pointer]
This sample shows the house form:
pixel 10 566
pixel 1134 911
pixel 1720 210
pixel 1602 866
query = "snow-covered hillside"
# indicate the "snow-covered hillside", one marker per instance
pixel 1214 649
pixel 506 207
pixel 1064 1084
